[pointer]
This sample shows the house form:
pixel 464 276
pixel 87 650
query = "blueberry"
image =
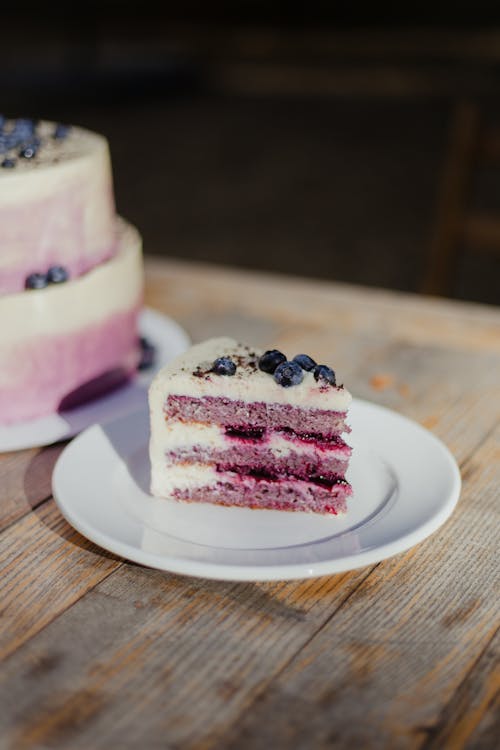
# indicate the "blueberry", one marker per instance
pixel 57 274
pixel 305 362
pixel 24 127
pixel 288 373
pixel 270 360
pixel 8 141
pixel 148 354
pixel 2 121
pixel 323 372
pixel 4 145
pixel 61 131
pixel 36 281
pixel 224 366
pixel 8 163
pixel 29 151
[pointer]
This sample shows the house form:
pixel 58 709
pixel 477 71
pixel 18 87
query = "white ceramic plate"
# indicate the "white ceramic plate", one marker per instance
pixel 169 339
pixel 406 484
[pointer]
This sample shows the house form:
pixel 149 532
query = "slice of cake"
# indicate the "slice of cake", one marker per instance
pixel 235 426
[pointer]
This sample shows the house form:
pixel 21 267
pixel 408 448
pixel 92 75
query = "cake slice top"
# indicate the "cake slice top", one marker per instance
pixel 193 374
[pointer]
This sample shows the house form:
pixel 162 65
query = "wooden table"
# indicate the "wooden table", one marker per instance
pixel 100 653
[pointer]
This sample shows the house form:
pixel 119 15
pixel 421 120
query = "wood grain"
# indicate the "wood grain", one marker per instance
pixel 472 718
pixel 45 566
pixel 194 292
pixel 25 481
pixel 181 654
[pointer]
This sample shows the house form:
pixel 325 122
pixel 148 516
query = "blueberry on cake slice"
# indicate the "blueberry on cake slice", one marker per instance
pixel 235 426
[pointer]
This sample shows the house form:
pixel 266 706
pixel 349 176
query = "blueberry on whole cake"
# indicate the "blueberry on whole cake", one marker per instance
pixel 235 426
pixel 70 271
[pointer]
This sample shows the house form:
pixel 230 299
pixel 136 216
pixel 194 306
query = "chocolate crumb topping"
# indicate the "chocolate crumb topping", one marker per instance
pixel 201 373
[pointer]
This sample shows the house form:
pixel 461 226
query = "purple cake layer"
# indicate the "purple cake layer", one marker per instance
pixel 230 413
pixel 249 459
pixel 265 494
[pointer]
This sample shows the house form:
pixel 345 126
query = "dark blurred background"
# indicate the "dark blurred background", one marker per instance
pixel 354 143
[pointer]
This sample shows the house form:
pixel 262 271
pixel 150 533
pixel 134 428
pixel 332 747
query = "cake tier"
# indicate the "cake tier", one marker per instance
pixel 68 342
pixel 57 207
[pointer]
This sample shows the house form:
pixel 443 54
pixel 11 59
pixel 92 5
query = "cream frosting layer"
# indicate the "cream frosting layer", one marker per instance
pixel 192 476
pixel 110 288
pixel 182 477
pixel 188 375
pixel 174 435
pixel 57 208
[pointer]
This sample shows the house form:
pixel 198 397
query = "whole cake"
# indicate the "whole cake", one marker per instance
pixel 235 426
pixel 70 271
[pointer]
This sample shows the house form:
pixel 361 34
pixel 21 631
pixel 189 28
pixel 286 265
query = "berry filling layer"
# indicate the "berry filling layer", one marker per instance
pixel 260 460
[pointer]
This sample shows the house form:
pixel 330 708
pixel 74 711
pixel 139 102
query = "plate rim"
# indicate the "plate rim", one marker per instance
pixel 269 572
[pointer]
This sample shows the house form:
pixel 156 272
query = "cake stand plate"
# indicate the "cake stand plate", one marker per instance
pixel 405 481
pixel 169 339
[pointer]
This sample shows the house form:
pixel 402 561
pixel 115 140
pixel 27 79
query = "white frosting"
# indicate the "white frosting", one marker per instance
pixel 113 287
pixel 247 385
pixel 182 477
pixel 53 155
pixel 175 435
pixel 57 206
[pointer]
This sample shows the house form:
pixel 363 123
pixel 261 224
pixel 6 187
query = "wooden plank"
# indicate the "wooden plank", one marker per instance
pixel 194 291
pixel 487 733
pixel 154 659
pixel 45 566
pixel 26 481
pixel 451 391
pixel 383 670
pixel 472 718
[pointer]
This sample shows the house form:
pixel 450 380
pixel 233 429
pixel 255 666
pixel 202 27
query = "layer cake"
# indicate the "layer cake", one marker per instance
pixel 233 425
pixel 70 271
